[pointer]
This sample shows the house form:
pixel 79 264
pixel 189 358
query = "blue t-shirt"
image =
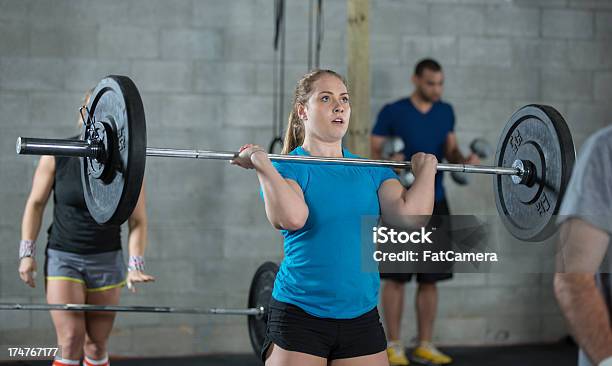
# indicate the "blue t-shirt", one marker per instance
pixel 321 272
pixel 420 132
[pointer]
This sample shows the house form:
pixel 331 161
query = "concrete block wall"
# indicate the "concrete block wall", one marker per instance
pixel 498 56
pixel 204 69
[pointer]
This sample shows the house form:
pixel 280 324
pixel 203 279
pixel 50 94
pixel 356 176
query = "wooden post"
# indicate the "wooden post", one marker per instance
pixel 358 37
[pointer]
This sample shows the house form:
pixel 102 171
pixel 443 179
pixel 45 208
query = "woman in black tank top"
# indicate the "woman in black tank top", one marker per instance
pixel 83 260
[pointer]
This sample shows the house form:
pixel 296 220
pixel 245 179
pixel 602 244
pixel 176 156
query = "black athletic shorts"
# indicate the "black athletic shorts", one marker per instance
pixel 292 329
pixel 440 209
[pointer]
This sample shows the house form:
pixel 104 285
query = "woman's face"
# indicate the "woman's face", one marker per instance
pixel 327 112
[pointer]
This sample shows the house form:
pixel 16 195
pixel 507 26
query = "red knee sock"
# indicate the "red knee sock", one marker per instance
pixel 102 362
pixel 65 362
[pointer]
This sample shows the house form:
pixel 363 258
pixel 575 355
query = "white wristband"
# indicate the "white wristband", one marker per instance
pixel 606 362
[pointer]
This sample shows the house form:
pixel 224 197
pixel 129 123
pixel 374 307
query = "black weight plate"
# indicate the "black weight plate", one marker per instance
pixel 539 134
pixel 260 294
pixel 111 197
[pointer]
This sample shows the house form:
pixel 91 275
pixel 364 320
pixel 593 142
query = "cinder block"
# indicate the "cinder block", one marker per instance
pixel 485 51
pixel 11 236
pixel 188 44
pixel 388 16
pixel 120 340
pixel 512 21
pixel 56 109
pixel 567 85
pixel 603 24
pixel 385 49
pixel 13 10
pixel 14 109
pixel 126 42
pixel 161 12
pixel 214 339
pixel 389 81
pixel 603 87
pixel 487 114
pixel 163 76
pixel 464 280
pixel 468 20
pixel 201 208
pixel 565 23
pixel 470 2
pixel 333 12
pixel 293 73
pixel 15 40
pixel 186 242
pixel 146 340
pixel 252 242
pixel 211 13
pixel 444 49
pixel 110 12
pixel 64 41
pixel 202 112
pixel 543 53
pixel 492 82
pixel 590 4
pixel 31 73
pixel 236 273
pixel 509 280
pixel 496 300
pixel 586 55
pixel 174 276
pixel 588 117
pixel 84 74
pixel 259 111
pixel 244 44
pixel 17 179
pixel 225 77
pixel 333 51
pixel 541 3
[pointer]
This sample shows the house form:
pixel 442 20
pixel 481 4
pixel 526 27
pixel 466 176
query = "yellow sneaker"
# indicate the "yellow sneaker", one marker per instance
pixel 427 353
pixel 396 354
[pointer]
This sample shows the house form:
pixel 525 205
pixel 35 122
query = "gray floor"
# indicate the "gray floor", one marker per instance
pixel 559 354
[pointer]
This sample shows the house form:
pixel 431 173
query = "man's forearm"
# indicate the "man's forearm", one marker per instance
pixel 586 312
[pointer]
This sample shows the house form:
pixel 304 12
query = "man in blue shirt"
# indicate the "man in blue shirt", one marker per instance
pixel 425 124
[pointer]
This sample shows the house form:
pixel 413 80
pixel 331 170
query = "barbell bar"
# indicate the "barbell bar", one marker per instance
pixel 533 162
pixel 90 149
pixel 133 309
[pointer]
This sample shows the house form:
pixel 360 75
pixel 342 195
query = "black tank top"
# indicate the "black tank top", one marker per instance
pixel 73 229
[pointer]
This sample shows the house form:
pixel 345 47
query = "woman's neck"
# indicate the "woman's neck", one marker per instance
pixel 321 148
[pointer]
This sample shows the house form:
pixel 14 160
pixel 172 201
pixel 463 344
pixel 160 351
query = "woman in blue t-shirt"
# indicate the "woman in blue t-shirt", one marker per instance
pixel 323 306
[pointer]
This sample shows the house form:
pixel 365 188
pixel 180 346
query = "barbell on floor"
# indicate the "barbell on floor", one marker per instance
pixel 534 160
pixel 132 309
pixel 260 293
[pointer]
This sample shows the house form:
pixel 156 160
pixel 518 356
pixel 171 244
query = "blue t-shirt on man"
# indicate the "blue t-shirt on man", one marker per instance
pixel 321 272
pixel 421 132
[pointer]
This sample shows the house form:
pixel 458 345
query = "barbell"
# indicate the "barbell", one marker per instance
pixel 534 160
pixel 260 293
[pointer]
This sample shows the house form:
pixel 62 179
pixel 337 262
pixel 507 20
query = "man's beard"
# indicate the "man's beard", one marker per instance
pixel 426 98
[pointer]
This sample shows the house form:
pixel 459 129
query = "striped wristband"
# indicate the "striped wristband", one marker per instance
pixel 27 248
pixel 136 263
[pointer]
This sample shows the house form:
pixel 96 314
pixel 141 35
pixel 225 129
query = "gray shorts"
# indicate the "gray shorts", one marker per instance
pixel 97 272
